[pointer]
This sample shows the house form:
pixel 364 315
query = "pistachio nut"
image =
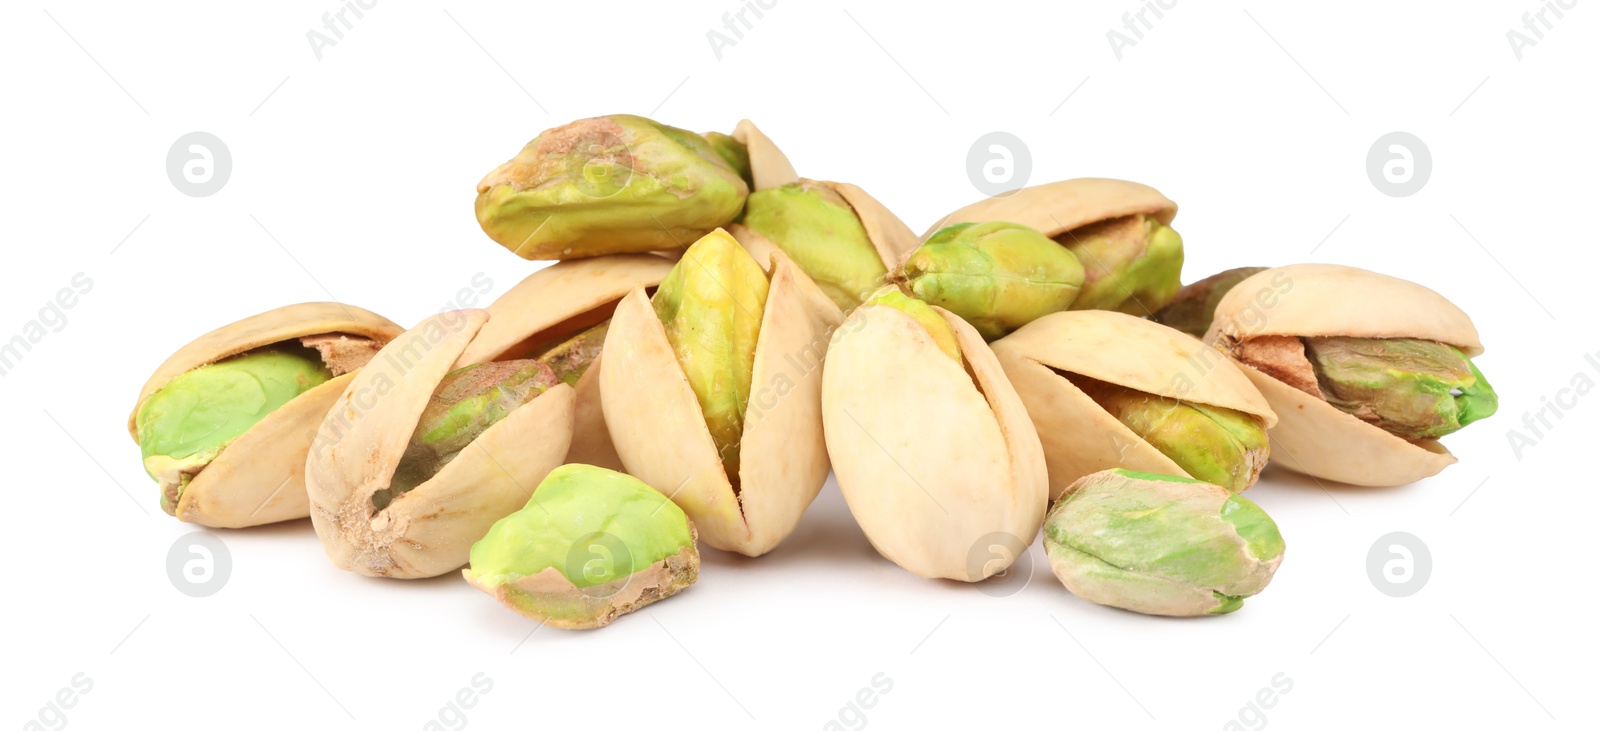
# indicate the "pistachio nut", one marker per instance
pixel 374 504
pixel 608 185
pixel 591 545
pixel 1158 544
pixel 224 424
pixel 559 316
pixel 1106 390
pixel 844 240
pixel 711 392
pixel 1366 370
pixel 933 450
pixel 1191 311
pixel 754 156
pixel 997 276
pixel 1120 231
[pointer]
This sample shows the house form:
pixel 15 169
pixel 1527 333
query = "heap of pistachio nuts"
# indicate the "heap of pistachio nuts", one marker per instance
pixel 1030 363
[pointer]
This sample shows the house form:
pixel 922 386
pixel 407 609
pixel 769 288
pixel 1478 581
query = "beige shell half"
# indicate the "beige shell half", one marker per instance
pixel 429 530
pixel 1055 208
pixel 1079 437
pixel 273 326
pixel 259 478
pixel 1318 300
pixel 890 236
pixel 660 431
pixel 769 167
pixel 1310 300
pixel 937 464
pixel 555 303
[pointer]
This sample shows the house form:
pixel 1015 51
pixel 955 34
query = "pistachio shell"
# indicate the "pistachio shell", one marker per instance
pixel 931 460
pixel 1317 300
pixel 429 530
pixel 660 431
pixel 1079 437
pixel 769 167
pixel 259 478
pixel 557 302
pixel 1327 300
pixel 1054 208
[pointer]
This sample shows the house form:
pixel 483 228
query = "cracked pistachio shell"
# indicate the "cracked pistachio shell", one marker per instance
pixel 553 305
pixel 1328 300
pixel 660 431
pixel 1079 436
pixel 819 225
pixel 997 276
pixel 754 155
pixel 1158 544
pixel 258 477
pixel 428 530
pixel 591 545
pixel 1138 275
pixel 934 459
pixel 1191 311
pixel 608 185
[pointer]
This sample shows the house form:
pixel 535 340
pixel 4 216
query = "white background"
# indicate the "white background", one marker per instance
pixel 353 179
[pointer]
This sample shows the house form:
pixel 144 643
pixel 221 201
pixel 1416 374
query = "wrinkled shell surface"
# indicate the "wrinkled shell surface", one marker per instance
pixel 554 303
pixel 429 530
pixel 660 431
pixel 1313 300
pixel 931 465
pixel 1055 208
pixel 1079 437
pixel 260 477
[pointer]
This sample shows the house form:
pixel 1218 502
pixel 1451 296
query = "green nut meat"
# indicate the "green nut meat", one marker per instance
pixel 186 424
pixel 1131 264
pixel 590 546
pixel 819 229
pixel 1158 544
pixel 466 403
pixel 1196 304
pixel 608 185
pixel 1414 389
pixel 711 305
pixel 997 276
pixel 569 359
pixel 733 152
pixel 943 335
pixel 1214 444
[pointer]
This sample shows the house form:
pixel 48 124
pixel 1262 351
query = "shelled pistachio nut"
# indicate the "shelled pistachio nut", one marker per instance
pixel 1159 544
pixel 1109 390
pixel 1192 310
pixel 844 239
pixel 618 184
pixel 224 424
pixel 416 460
pixel 1120 231
pixel 754 156
pixel 559 315
pixel 931 446
pixel 997 276
pixel 590 545
pixel 711 391
pixel 1366 370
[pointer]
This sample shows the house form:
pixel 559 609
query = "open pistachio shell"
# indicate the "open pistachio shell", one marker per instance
pixel 660 431
pixel 553 304
pixel 769 167
pixel 934 459
pixel 891 238
pixel 1055 208
pixel 1079 436
pixel 428 530
pixel 258 478
pixel 1327 300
